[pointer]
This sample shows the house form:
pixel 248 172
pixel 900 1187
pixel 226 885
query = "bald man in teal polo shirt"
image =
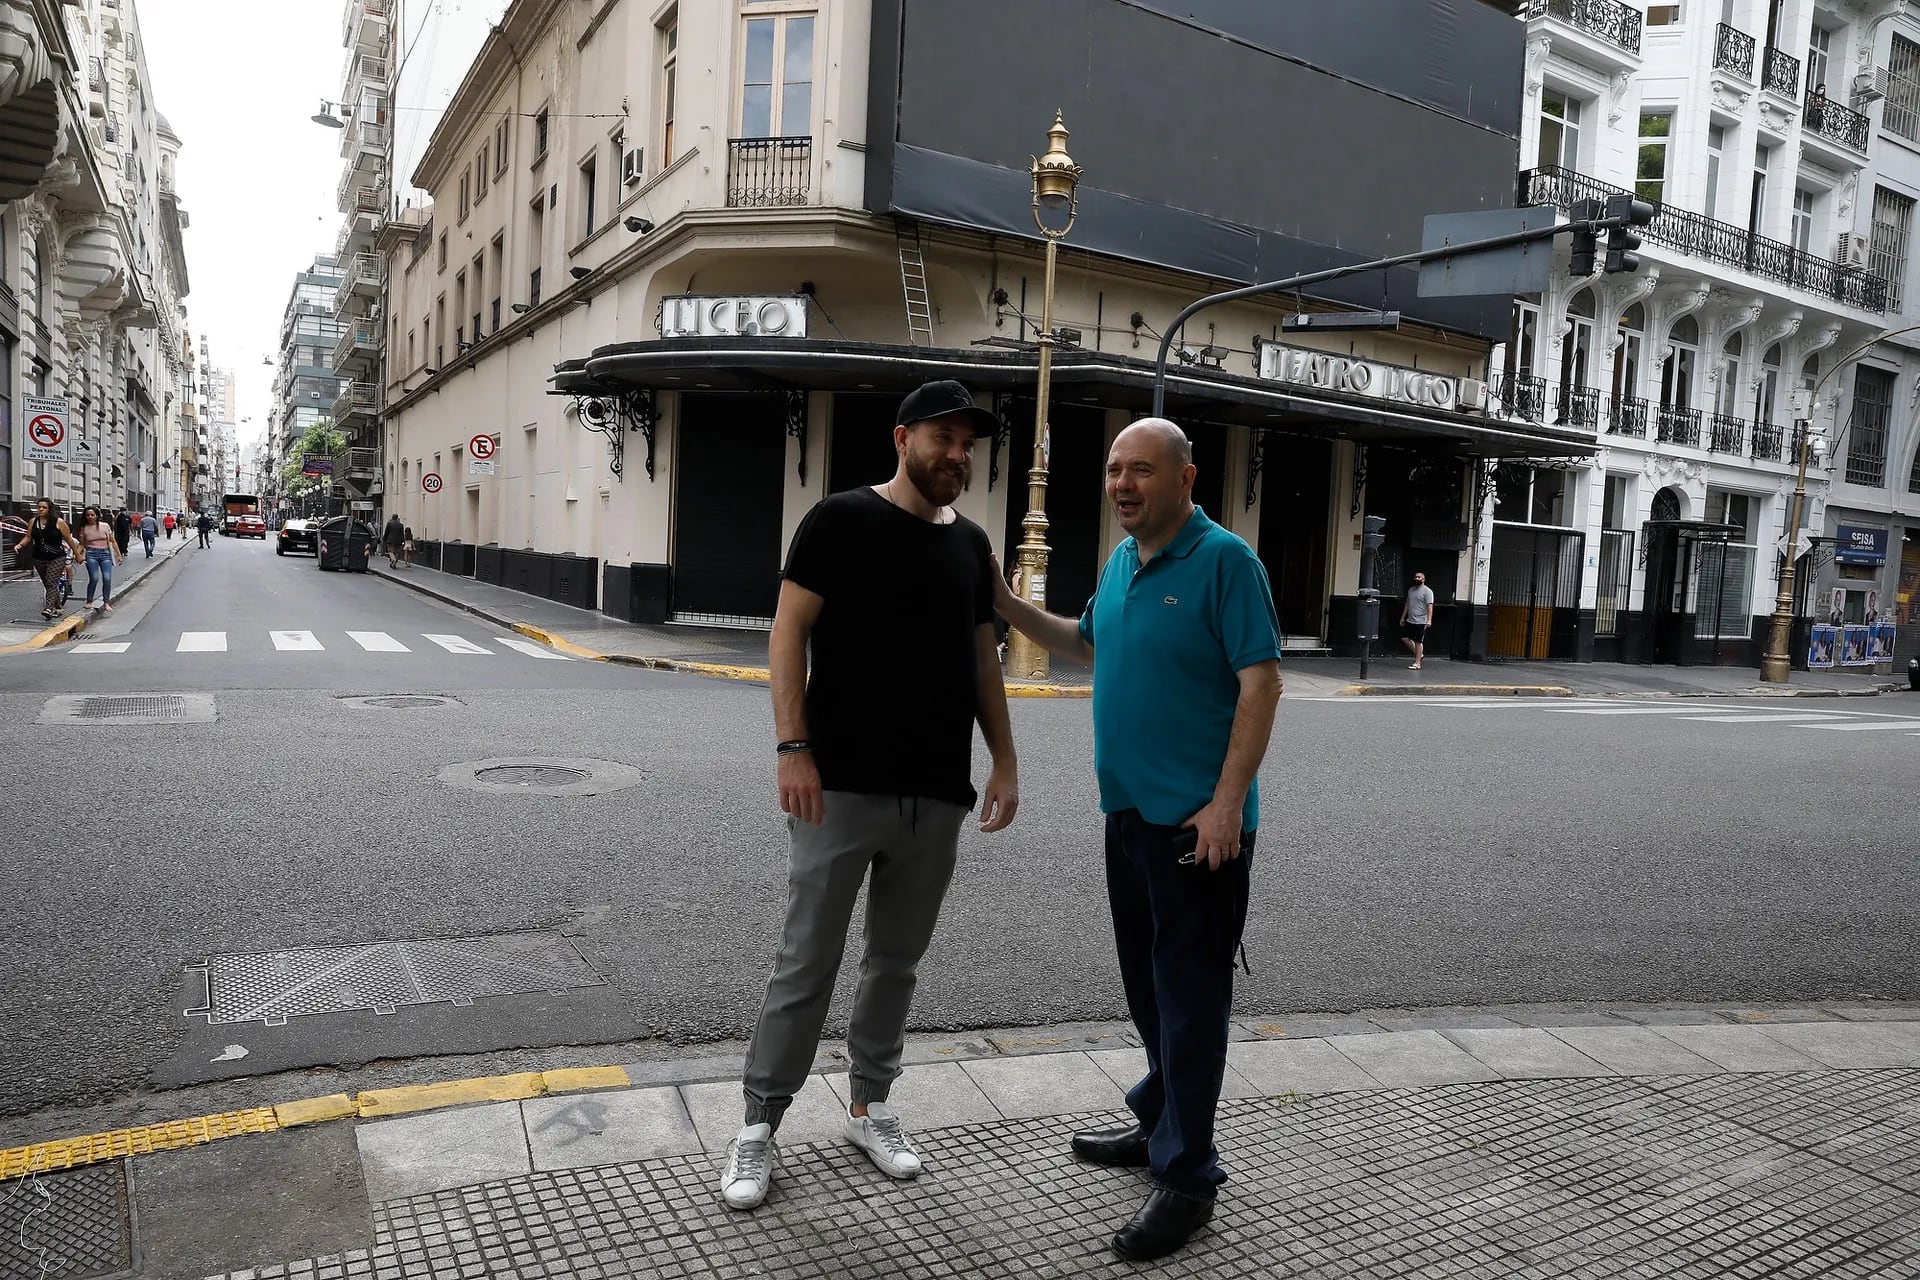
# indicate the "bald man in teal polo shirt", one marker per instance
pixel 1185 650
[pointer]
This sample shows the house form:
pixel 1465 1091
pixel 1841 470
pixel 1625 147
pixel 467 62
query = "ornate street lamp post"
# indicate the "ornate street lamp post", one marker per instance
pixel 1056 181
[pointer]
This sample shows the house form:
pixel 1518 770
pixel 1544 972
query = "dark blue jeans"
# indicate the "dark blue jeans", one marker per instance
pixel 1176 929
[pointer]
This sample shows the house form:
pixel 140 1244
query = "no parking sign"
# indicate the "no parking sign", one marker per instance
pixel 480 456
pixel 48 439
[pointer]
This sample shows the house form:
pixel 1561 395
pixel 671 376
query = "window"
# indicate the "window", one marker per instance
pixel 1867 427
pixel 1802 219
pixel 669 84
pixel 1887 255
pixel 1726 396
pixel 1676 372
pixel 1769 388
pixel 540 136
pixel 537 239
pixel 1716 143
pixel 1616 557
pixel 1665 14
pixel 466 192
pixel 498 275
pixel 1913 480
pixel 776 93
pixel 480 174
pixel 1757 206
pixel 617 164
pixel 1626 358
pixel 586 195
pixel 1723 572
pixel 533 287
pixel 1529 495
pixel 460 291
pixel 1650 173
pixel 1559 130
pixel 500 132
pixel 1900 113
pixel 443 251
pixel 1819 57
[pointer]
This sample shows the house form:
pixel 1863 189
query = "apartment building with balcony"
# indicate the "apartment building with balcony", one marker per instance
pixel 366 201
pixel 1767 270
pixel 92 269
pixel 305 384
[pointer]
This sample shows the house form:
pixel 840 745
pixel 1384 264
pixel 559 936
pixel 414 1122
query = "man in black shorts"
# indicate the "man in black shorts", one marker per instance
pixel 893 589
pixel 1416 615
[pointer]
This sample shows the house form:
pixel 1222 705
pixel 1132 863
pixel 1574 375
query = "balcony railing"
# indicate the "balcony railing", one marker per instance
pixel 768 172
pixel 1524 395
pixel 1617 24
pixel 1679 426
pixel 1722 242
pixel 1766 441
pixel 1780 73
pixel 1733 51
pixel 357 462
pixel 1726 433
pixel 1843 125
pixel 1580 407
pixel 1628 417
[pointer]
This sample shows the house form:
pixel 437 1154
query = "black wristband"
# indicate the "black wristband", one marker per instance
pixel 793 746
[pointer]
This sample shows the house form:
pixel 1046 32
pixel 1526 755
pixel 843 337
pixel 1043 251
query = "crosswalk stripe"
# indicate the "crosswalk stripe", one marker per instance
pixel 202 642
pixel 1618 711
pixel 304 640
pixel 102 646
pixel 1863 728
pixel 377 642
pixel 531 649
pixel 1773 718
pixel 459 644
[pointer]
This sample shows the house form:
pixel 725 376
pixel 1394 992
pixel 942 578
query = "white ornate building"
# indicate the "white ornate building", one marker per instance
pixel 92 269
pixel 1765 134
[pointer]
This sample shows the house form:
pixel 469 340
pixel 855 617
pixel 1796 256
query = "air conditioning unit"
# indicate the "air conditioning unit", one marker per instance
pixel 1473 394
pixel 1870 86
pixel 1852 250
pixel 633 166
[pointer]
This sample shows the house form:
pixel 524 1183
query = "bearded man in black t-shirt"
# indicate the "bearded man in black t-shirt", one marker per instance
pixel 894 590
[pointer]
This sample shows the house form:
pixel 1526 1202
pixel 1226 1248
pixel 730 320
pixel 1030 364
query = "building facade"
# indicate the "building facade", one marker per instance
pixel 1775 260
pixel 305 385
pixel 92 270
pixel 681 262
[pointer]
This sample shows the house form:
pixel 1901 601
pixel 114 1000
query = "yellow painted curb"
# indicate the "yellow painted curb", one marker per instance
pixel 1017 690
pixel 1459 690
pixel 424 1097
pixel 580 1079
pixel 167 1135
pixel 335 1106
pixel 65 629
pixel 561 643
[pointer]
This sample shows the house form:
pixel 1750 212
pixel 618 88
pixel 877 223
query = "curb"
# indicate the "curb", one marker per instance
pixel 1457 690
pixel 72 625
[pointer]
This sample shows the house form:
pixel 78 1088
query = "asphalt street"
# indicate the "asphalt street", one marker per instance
pixel 1413 852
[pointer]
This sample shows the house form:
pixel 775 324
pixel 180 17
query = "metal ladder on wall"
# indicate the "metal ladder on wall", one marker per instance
pixel 913 284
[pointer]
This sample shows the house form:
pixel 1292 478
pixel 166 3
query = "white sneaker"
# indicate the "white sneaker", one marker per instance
pixel 878 1133
pixel 750 1160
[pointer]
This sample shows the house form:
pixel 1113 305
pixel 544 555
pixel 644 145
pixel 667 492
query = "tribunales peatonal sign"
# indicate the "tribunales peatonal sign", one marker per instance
pixel 1326 371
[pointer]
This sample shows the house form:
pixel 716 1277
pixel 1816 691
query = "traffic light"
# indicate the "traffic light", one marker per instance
pixel 1373 533
pixel 1585 242
pixel 1621 242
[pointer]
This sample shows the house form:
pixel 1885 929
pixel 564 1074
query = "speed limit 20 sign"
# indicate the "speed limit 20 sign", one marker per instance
pixel 430 482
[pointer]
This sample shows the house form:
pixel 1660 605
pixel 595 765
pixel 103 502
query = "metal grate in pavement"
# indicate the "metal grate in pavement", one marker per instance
pixel 1515 1180
pixel 272 986
pixel 68 1226
pixel 407 701
pixel 128 708
pixel 537 776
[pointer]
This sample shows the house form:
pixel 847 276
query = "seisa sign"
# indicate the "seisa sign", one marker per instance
pixel 689 316
pixel 1329 372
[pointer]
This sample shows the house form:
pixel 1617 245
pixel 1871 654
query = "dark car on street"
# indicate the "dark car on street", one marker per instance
pixel 298 535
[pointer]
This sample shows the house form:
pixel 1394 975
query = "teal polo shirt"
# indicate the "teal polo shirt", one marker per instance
pixel 1169 639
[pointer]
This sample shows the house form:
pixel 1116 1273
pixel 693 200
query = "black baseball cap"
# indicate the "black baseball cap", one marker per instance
pixel 937 399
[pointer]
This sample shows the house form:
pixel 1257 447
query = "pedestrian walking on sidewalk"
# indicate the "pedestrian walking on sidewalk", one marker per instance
pixel 122 530
pixel 47 534
pixel 149 530
pixel 168 523
pixel 205 525
pixel 406 546
pixel 1416 616
pixel 392 538
pixel 102 553
pixel 893 589
pixel 1185 650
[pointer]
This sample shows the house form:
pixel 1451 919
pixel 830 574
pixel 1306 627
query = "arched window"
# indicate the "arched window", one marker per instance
pixel 1578 404
pixel 1913 476
pixel 1626 358
pixel 1676 371
pixel 1666 505
pixel 1727 396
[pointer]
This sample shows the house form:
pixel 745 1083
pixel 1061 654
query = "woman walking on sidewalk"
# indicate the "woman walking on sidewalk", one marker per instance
pixel 103 552
pixel 51 539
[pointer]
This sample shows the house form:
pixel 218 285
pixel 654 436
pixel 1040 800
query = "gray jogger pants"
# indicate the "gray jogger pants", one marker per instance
pixel 910 844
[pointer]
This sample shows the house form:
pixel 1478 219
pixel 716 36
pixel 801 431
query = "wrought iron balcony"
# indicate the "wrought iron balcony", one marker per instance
pixel 1628 417
pixel 1733 51
pixel 1766 441
pixel 1780 73
pixel 1841 124
pixel 1679 426
pixel 1524 395
pixel 768 172
pixel 1617 24
pixel 1579 407
pixel 1726 433
pixel 1722 242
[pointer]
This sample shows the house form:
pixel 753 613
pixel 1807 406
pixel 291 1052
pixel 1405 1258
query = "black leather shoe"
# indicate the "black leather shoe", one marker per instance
pixel 1124 1148
pixel 1165 1222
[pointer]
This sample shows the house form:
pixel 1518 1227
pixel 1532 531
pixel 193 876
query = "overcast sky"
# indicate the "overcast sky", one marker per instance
pixel 238 81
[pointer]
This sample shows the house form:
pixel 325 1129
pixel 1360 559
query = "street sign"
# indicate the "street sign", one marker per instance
pixel 479 466
pixel 314 465
pixel 47 437
pixel 82 451
pixel 480 447
pixel 1516 268
pixel 361 506
pixel 430 482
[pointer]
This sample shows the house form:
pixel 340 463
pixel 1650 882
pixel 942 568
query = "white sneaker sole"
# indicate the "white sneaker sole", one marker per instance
pixel 880 1163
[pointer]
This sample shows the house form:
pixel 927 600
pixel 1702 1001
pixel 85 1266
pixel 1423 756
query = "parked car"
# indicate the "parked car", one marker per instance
pixel 298 535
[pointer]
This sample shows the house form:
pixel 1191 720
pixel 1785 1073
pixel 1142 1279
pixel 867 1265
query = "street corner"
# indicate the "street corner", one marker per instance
pixel 58 633
pixel 1457 690
pixel 553 640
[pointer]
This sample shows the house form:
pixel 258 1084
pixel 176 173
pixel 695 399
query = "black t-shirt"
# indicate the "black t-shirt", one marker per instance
pixel 892 694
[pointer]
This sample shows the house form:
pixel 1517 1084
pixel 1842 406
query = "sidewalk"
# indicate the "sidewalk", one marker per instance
pixel 20 621
pixel 1514 1141
pixel 1388 673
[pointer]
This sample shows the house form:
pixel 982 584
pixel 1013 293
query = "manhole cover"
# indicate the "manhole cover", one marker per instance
pixel 530 775
pixel 400 701
pixel 540 775
pixel 74 1225
pixel 272 986
pixel 128 708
